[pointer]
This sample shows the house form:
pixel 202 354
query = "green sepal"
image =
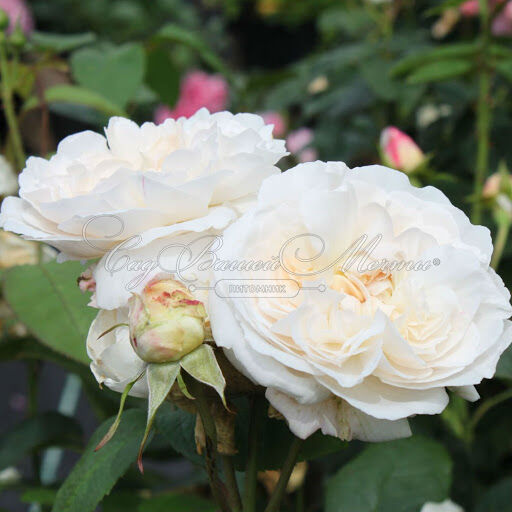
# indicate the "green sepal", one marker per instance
pixel 183 387
pixel 203 366
pixel 110 329
pixel 161 378
pixel 113 427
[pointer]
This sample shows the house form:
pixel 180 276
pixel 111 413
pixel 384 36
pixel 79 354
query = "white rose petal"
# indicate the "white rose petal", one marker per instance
pixel 445 506
pixel 114 363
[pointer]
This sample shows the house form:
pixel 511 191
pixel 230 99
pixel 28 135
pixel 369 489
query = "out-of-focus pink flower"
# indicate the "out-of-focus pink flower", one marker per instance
pixel 198 90
pixel 162 112
pixel 502 24
pixel 495 185
pixel 470 8
pixel 299 139
pixel 18 12
pixel 277 120
pixel 297 143
pixel 308 155
pixel 399 150
pixel 492 186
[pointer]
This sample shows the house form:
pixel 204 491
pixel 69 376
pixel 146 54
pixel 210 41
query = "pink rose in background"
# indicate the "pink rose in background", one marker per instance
pixel 297 142
pixel 162 112
pixel 198 90
pixel 308 155
pixel 469 8
pixel 18 12
pixel 502 24
pixel 399 150
pixel 277 120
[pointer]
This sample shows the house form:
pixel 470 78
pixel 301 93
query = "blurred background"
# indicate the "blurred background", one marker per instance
pixel 420 85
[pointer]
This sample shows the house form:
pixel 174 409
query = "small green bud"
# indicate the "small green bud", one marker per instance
pixel 18 39
pixel 4 20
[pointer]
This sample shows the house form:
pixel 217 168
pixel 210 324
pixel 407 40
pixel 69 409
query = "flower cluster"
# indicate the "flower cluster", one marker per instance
pixel 502 23
pixel 395 302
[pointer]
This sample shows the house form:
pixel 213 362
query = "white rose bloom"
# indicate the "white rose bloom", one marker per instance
pixel 378 344
pixel 445 506
pixel 138 179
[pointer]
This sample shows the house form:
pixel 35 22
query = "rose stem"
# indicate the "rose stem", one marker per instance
pixel 300 504
pixel 210 430
pixel 251 471
pixel 487 405
pixel 289 464
pixel 501 238
pixel 483 116
pixel 10 114
pixel 231 483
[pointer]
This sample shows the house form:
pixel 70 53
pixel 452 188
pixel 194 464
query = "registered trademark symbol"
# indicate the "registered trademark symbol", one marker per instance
pixel 436 262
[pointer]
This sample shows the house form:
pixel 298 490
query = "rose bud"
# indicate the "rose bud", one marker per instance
pixel 166 322
pixel 400 151
pixel 495 184
pixel 86 281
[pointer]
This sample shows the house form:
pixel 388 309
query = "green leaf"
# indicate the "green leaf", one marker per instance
pixel 161 378
pixel 113 72
pixel 162 77
pixel 95 473
pixel 47 429
pixel 176 503
pixel 497 498
pixel 376 73
pixel 203 366
pixel 47 300
pixel 41 495
pixel 59 43
pixel 504 369
pixel 439 71
pixel 398 476
pixel 505 69
pixel 123 501
pixel 177 426
pixel 447 4
pixel 449 52
pixel 71 94
pixel 500 51
pixel 345 20
pixel 176 34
